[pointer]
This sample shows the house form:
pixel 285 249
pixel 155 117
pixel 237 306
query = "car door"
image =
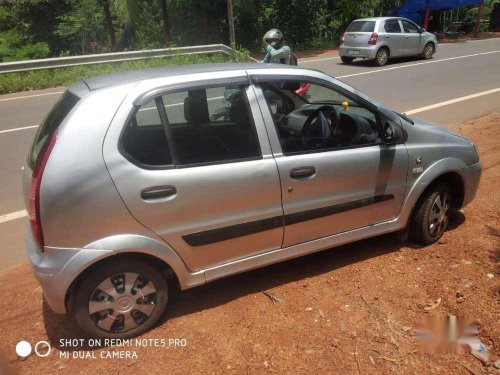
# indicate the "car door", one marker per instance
pixel 194 166
pixel 393 37
pixel 412 38
pixel 330 187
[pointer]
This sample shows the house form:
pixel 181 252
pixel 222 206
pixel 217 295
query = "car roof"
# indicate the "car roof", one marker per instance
pixel 114 79
pixel 380 18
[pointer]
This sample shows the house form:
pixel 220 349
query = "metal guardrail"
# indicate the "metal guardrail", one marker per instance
pixel 102 58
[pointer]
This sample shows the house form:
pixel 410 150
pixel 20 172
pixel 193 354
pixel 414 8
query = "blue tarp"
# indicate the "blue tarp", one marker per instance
pixel 415 9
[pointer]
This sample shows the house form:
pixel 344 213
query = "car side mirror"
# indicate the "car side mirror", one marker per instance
pixel 422 30
pixel 393 134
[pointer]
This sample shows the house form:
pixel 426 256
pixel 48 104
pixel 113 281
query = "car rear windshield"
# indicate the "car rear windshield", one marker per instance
pixel 50 125
pixel 361 26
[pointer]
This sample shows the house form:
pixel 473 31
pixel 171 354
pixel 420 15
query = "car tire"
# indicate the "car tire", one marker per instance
pixel 432 215
pixel 428 51
pixel 382 57
pixel 138 296
pixel 347 60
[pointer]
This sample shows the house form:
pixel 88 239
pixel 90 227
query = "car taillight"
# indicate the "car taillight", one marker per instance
pixel 342 37
pixel 34 193
pixel 373 39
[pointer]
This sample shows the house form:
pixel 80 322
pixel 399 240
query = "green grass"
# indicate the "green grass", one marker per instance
pixel 41 79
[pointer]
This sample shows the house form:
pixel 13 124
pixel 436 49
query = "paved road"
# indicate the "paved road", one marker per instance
pixel 458 72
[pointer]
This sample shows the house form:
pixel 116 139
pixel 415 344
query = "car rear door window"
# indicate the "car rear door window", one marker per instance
pixel 361 26
pixel 144 140
pixel 192 127
pixel 211 125
pixel 392 26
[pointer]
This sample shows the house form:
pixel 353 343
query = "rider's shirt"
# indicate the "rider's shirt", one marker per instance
pixel 278 56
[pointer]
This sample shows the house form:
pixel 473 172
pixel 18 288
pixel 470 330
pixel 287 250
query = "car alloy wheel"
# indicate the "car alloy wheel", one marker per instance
pixel 122 302
pixel 438 219
pixel 382 57
pixel 429 51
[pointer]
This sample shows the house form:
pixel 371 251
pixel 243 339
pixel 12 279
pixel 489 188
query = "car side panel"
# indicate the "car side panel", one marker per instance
pixel 78 200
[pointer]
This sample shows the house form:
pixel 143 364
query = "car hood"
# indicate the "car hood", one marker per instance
pixel 433 128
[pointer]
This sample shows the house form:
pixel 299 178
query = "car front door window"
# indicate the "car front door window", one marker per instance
pixel 312 117
pixel 409 27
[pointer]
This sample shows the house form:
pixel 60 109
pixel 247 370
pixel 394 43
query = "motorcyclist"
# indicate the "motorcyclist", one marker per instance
pixel 276 52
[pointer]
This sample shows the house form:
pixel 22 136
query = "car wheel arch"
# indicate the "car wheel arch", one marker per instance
pixel 427 43
pixel 385 46
pixel 449 170
pixel 144 248
pixel 159 263
pixel 453 179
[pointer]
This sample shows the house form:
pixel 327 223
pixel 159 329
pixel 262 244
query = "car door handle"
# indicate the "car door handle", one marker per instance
pixel 301 173
pixel 158 192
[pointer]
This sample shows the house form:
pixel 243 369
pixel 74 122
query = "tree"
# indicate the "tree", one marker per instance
pixel 15 43
pixel 230 21
pixel 108 20
pixel 83 26
pixel 131 10
pixel 166 24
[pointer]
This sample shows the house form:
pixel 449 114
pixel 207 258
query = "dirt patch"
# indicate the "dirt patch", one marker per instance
pixel 352 309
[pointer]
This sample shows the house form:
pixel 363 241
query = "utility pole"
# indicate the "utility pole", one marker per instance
pixel 230 17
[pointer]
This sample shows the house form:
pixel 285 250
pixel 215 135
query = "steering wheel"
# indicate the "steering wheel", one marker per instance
pixel 318 128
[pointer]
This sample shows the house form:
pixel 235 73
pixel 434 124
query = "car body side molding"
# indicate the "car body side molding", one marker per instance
pixel 244 229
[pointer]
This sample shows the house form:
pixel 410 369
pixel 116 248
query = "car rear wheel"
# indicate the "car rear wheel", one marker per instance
pixel 347 60
pixel 432 215
pixel 121 299
pixel 382 57
pixel 428 51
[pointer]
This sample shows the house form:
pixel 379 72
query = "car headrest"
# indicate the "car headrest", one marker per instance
pixel 238 111
pixel 196 108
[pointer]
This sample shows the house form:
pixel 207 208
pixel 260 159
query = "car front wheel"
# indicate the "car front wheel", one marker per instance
pixel 122 299
pixel 428 51
pixel 432 215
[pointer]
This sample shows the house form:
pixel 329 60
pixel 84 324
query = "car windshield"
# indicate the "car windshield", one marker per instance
pixel 361 26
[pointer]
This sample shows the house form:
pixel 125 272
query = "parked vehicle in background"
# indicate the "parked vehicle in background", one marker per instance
pixel 382 38
pixel 133 183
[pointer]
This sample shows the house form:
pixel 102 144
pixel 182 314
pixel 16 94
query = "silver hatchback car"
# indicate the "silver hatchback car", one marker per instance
pixel 381 38
pixel 180 176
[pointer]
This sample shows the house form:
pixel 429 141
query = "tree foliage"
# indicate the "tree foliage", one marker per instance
pixel 39 28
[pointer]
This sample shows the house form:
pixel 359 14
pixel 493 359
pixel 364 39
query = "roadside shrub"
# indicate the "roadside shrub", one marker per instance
pixel 40 79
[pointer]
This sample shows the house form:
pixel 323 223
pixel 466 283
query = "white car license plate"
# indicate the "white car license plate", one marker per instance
pixel 353 52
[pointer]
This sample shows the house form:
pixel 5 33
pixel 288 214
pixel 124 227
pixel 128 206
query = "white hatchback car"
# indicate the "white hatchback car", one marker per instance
pixel 381 38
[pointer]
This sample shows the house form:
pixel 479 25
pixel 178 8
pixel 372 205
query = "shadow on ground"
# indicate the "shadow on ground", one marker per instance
pixel 392 63
pixel 234 287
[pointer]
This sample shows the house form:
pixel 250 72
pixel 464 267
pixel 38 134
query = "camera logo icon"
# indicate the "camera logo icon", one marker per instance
pixel 24 349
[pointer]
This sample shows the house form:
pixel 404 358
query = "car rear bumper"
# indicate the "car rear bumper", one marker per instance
pixel 367 52
pixel 472 177
pixel 56 268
